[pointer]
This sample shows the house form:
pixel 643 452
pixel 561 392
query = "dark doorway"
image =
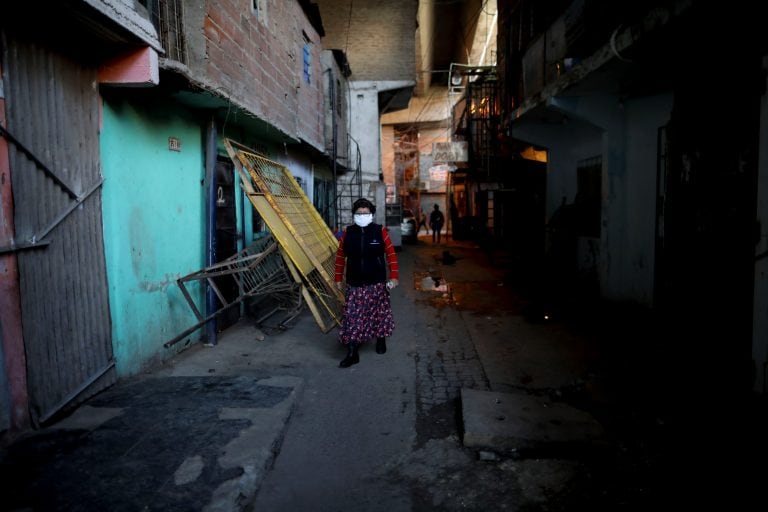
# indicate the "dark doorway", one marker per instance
pixel 226 236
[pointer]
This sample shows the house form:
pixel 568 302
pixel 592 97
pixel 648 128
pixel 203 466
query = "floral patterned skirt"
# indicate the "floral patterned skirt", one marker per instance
pixel 367 314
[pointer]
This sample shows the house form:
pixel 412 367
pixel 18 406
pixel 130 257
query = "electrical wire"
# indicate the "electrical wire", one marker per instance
pixel 349 27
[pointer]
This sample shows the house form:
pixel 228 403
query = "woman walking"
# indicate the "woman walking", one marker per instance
pixel 364 256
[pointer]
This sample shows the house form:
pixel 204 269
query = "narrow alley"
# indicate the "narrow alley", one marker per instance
pixel 588 332
pixel 267 421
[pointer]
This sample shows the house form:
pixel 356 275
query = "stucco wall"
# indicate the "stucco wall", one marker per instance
pixel 567 144
pixel 644 117
pixel 336 84
pixel 364 127
pixel 388 153
pixel 301 167
pixel 153 226
pixel 624 134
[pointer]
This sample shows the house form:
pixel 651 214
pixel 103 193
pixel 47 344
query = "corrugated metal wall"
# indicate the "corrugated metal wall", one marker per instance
pixel 53 110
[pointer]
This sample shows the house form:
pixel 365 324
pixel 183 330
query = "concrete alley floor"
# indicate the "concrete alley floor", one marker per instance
pixel 480 403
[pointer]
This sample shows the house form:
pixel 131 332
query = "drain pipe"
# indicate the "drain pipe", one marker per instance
pixel 210 227
pixel 334 153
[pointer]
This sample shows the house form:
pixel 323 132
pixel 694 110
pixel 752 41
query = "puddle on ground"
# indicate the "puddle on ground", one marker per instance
pixel 430 282
pixel 433 282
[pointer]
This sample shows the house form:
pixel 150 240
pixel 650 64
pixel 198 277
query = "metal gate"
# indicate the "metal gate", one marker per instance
pixel 52 132
pixel 297 226
pixel 259 270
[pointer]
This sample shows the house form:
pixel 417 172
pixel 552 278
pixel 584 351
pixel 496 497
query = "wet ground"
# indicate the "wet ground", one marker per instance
pixel 271 423
pixel 664 446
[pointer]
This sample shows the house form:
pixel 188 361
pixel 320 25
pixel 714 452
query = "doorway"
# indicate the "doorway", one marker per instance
pixel 226 236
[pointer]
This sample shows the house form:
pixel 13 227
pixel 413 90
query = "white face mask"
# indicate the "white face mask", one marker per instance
pixel 363 219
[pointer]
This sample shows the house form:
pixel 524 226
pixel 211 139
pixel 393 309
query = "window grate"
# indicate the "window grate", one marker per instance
pixel 307 62
pixel 168 18
pixel 309 245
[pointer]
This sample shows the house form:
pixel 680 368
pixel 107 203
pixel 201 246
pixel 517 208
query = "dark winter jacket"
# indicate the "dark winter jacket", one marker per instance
pixel 366 261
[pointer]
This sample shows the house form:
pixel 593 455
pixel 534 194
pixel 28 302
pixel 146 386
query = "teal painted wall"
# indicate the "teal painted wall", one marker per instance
pixel 154 227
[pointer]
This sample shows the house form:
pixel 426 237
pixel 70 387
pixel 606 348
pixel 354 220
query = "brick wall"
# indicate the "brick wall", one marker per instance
pixel 379 36
pixel 258 62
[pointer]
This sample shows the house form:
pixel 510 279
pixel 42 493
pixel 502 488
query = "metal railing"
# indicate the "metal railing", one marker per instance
pixel 258 270
pixel 307 242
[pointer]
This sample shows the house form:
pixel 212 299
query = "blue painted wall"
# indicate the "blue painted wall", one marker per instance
pixel 154 226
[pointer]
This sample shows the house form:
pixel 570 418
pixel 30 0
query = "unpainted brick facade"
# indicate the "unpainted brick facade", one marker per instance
pixel 258 60
pixel 378 36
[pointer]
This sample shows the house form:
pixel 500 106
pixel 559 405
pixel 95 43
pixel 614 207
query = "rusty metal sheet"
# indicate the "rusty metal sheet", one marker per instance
pixel 56 177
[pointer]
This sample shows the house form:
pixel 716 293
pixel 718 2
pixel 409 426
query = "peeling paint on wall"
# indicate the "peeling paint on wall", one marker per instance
pixel 153 224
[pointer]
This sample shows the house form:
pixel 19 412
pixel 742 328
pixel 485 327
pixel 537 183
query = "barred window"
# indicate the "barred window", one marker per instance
pixel 259 8
pixel 307 60
pixel 168 18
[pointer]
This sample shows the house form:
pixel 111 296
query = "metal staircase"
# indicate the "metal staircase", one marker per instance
pixel 349 188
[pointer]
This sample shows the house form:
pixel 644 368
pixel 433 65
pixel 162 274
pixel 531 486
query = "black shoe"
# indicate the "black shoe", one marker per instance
pixel 352 356
pixel 381 345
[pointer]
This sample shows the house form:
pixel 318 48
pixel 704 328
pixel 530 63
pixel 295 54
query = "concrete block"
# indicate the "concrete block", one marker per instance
pixel 516 421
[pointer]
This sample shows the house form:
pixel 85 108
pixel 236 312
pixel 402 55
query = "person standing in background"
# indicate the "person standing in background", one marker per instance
pixel 422 218
pixel 364 256
pixel 436 221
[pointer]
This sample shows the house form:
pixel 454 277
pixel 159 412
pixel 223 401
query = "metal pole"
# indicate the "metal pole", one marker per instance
pixel 210 228
pixel 335 155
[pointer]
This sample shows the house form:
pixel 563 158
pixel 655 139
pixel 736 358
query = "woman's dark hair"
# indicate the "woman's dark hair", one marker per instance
pixel 363 203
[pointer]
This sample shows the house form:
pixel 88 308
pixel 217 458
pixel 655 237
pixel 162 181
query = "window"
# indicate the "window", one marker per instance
pixel 307 60
pixel 167 17
pixel 259 8
pixel 301 184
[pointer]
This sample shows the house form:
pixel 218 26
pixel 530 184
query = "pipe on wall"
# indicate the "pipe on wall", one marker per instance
pixel 334 152
pixel 210 226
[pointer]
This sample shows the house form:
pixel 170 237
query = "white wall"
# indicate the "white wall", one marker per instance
pixel 567 143
pixel 365 124
pixel 629 154
pixel 301 167
pixel 643 119
pixel 578 140
pixel 364 127
pixel 625 135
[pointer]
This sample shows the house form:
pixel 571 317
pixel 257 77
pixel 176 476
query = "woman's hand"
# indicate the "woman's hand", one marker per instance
pixel 340 285
pixel 392 283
